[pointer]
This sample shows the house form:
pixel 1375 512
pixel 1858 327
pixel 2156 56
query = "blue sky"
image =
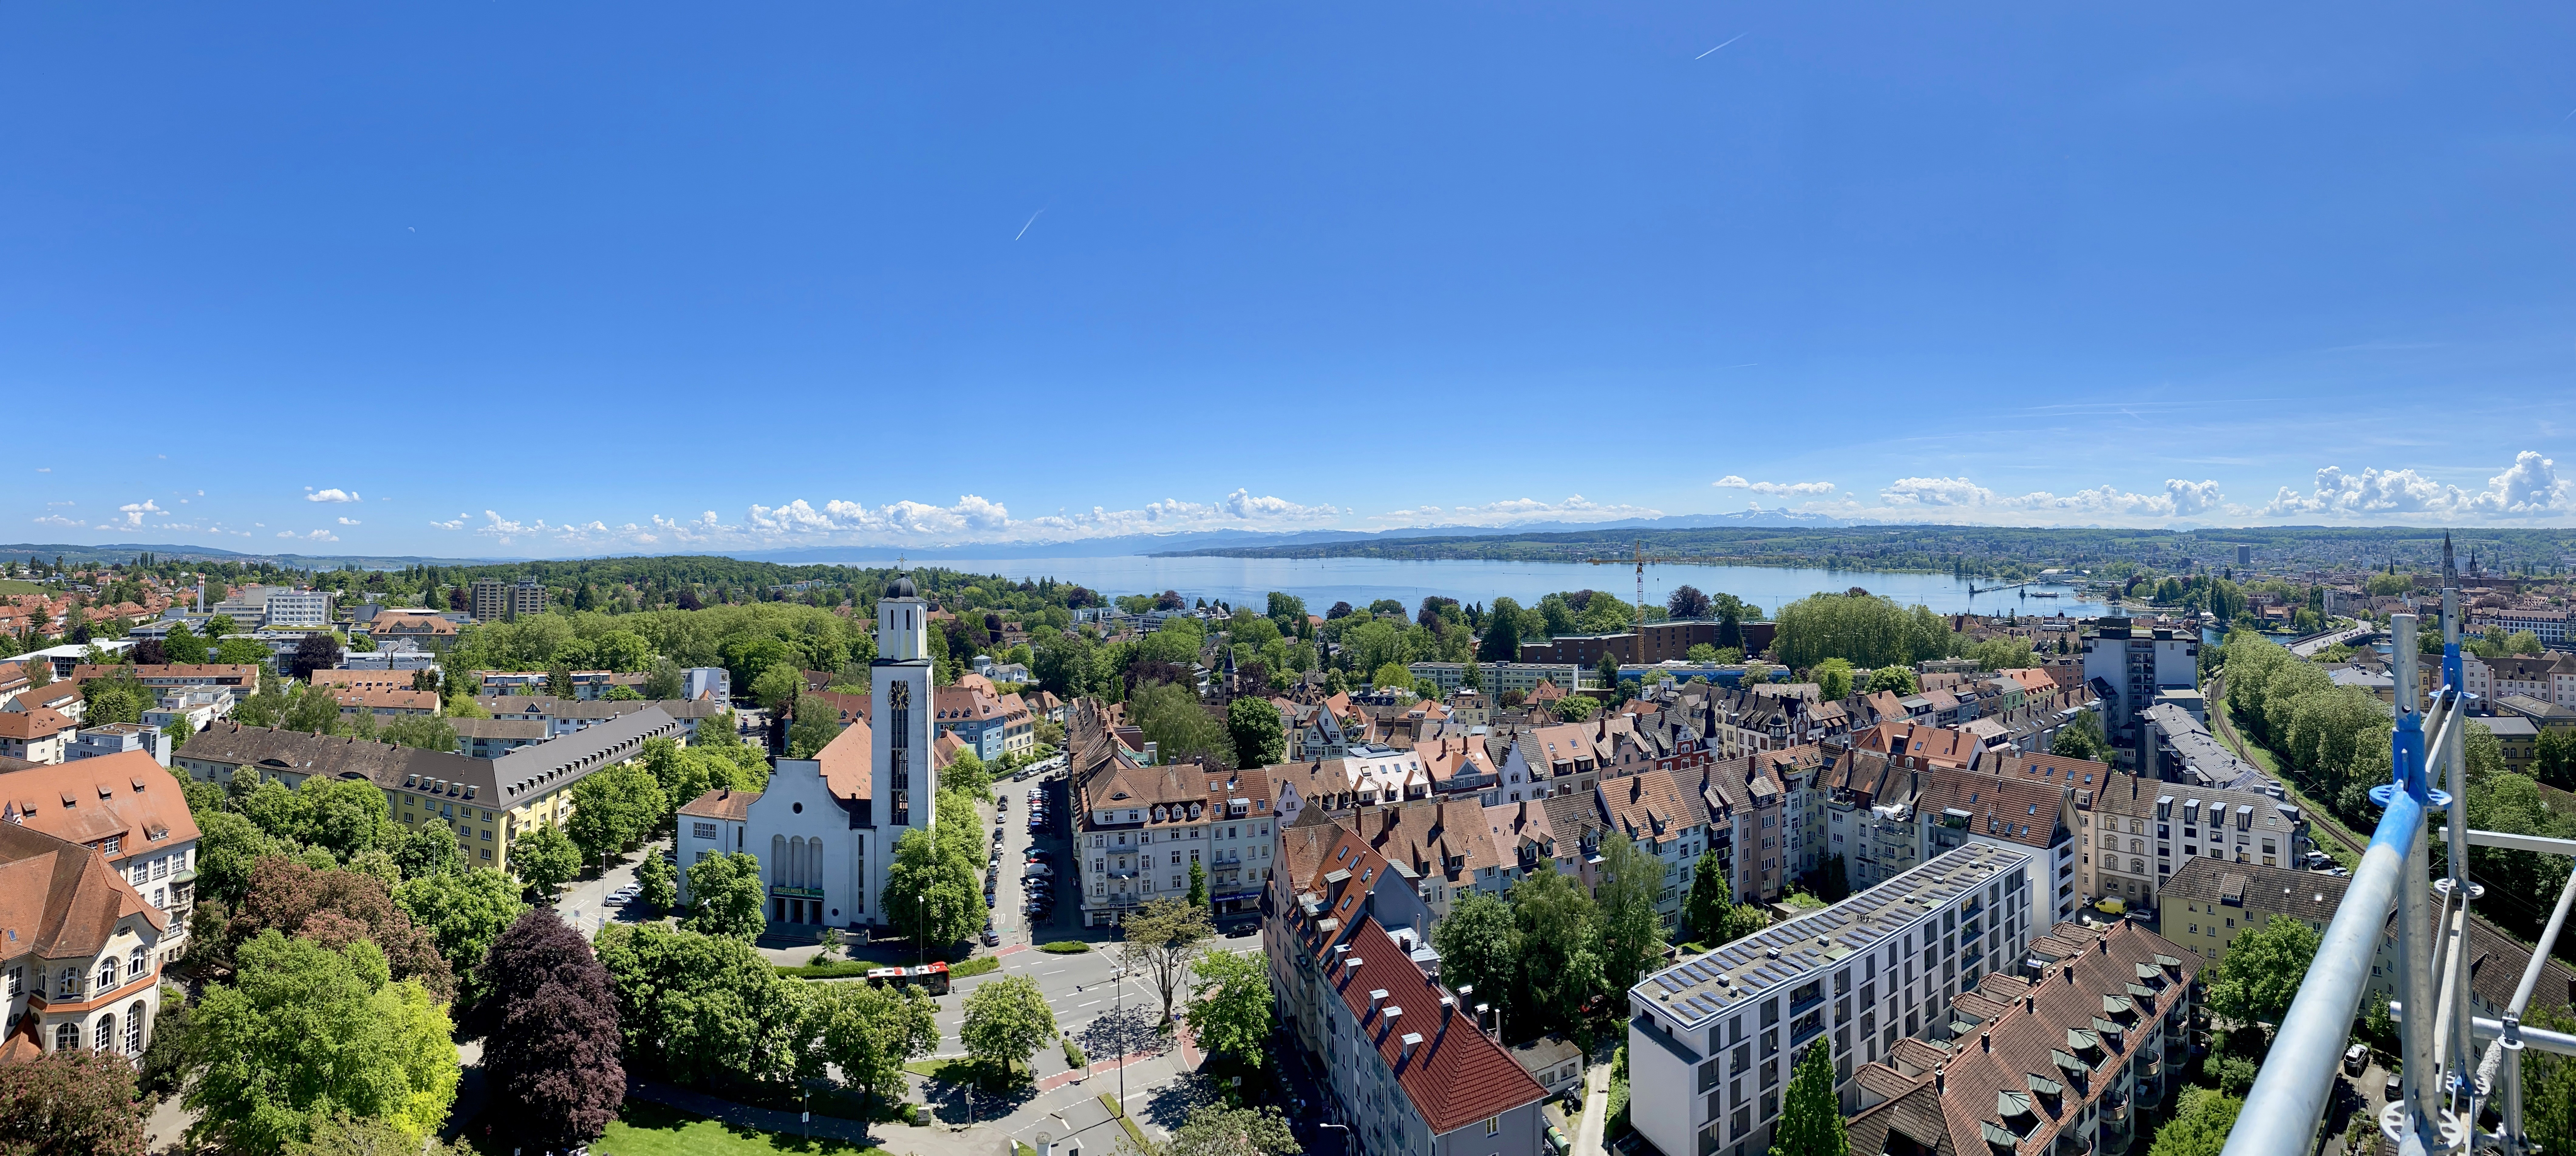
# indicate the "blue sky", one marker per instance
pixel 571 278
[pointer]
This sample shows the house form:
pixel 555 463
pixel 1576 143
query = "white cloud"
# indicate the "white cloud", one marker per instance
pixel 331 495
pixel 134 512
pixel 2181 498
pixel 315 536
pixel 44 469
pixel 1575 508
pixel 1785 489
pixel 458 524
pixel 348 521
pixel 2529 488
pixel 57 520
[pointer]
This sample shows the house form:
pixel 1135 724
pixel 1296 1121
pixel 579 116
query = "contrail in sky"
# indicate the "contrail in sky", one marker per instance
pixel 1024 227
pixel 1729 40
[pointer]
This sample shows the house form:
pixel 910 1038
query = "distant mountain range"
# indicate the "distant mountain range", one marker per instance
pixel 125 552
pixel 1194 541
pixel 1128 544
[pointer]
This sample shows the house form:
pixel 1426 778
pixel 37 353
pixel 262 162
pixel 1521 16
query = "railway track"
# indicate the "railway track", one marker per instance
pixel 2323 820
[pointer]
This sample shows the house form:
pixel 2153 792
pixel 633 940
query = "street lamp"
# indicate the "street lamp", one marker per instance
pixel 1117 1008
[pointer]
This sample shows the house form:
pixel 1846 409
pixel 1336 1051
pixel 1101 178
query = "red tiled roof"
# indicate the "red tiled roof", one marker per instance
pixel 1455 1076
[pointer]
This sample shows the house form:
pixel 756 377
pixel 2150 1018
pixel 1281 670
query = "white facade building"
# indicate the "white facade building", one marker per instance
pixel 1712 1041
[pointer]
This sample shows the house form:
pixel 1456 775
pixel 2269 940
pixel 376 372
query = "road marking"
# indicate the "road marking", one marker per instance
pixel 1058 971
pixel 1097 1001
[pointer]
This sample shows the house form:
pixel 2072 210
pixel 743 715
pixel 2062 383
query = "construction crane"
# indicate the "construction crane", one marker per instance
pixel 1639 559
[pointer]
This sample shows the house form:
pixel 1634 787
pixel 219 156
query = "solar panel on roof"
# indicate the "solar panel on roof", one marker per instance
pixel 1669 984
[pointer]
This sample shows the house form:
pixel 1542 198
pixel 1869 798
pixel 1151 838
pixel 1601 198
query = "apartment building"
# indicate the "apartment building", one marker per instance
pixel 2550 625
pixel 242 680
pixel 2208 902
pixel 1884 818
pixel 2138 832
pixel 488 802
pixel 1712 1040
pixel 127 808
pixel 83 966
pixel 1328 878
pixel 491 738
pixel 118 738
pixel 384 705
pixel 2178 749
pixel 1499 678
pixel 492 600
pixel 1411 1072
pixel 298 607
pixel 2130 665
pixel 424 629
pixel 2063 1059
pixel 1137 828
pixel 36 734
pixel 564 716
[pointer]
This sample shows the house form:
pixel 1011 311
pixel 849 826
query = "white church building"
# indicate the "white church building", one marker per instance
pixel 825 829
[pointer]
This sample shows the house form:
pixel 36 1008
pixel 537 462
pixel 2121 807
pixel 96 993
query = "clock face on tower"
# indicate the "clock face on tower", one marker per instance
pixel 899 695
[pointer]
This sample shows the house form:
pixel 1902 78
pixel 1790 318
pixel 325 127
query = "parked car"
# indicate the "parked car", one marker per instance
pixel 992 938
pixel 2355 1058
pixel 1038 854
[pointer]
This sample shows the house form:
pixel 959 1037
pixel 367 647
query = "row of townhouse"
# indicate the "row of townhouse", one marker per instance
pixel 2066 1056
pixel 988 724
pixel 1138 829
pixel 1885 815
pixel 2549 625
pixel 1411 1067
pixel 1713 1039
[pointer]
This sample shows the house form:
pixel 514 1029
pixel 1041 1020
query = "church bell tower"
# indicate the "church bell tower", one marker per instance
pixel 903 784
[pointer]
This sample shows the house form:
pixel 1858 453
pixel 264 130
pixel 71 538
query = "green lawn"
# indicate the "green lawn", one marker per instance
pixel 14 586
pixel 643 1128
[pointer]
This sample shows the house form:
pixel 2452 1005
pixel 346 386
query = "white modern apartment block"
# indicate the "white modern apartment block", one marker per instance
pixel 1711 1042
pixel 298 607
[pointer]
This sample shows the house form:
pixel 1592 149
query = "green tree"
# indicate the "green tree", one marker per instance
pixel 422 731
pixel 1561 964
pixel 1392 675
pixel 1811 1118
pixel 664 681
pixel 1833 678
pixel 1833 880
pixel 2082 739
pixel 2202 1118
pixel 967 774
pixel 1198 885
pixel 777 686
pixel 1711 897
pixel 868 1033
pixel 2260 974
pixel 1170 716
pixel 1632 936
pixel 559 680
pixel 341 1134
pixel 464 912
pixel 727 898
pixel 1161 937
pixel 814 725
pixel 659 880
pixel 700 1008
pixel 345 816
pixel 932 894
pixel 544 860
pixel 1480 946
pixel 429 849
pixel 305 1031
pixel 1007 1021
pixel 1260 739
pixel 1576 708
pixel 1217 1130
pixel 1503 629
pixel 1893 679
pixel 1231 1016
pixel 615 808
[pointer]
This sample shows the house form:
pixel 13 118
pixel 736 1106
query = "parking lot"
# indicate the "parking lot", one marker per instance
pixel 1014 874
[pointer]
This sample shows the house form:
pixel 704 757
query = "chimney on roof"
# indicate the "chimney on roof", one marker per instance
pixel 1986 1041
pixel 1940 1079
pixel 2070 974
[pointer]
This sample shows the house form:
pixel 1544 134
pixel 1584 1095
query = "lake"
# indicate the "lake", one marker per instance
pixel 1360 581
